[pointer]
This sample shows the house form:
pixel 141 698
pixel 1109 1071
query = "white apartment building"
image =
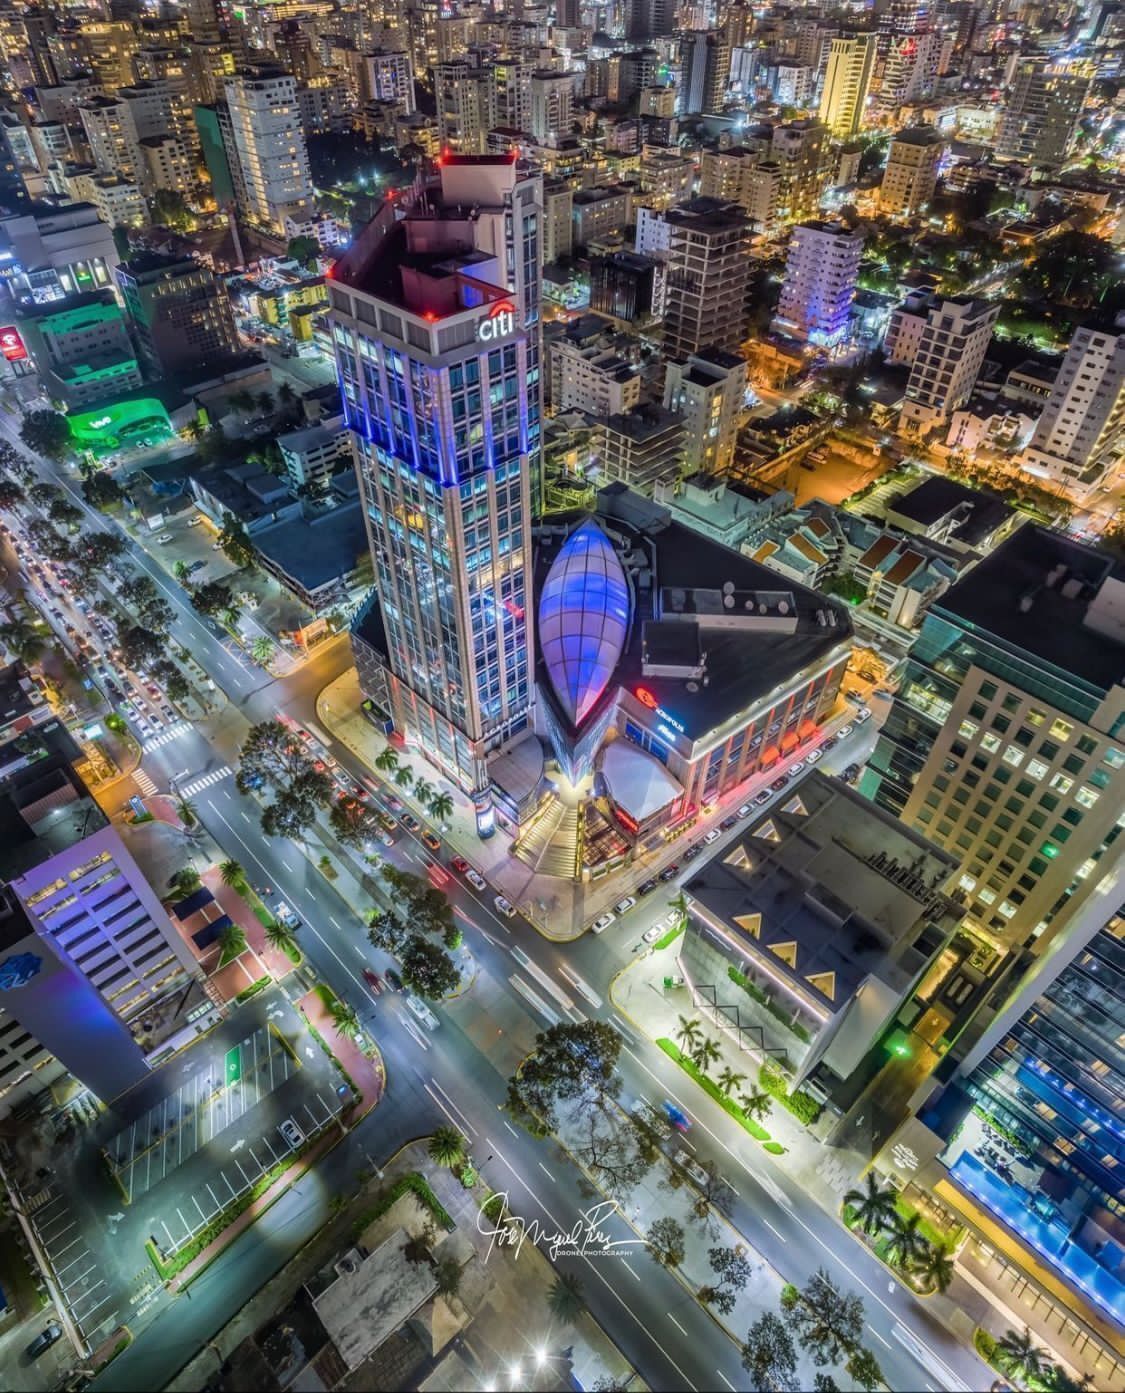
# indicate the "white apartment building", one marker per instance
pixel 847 81
pixel 654 235
pixel 820 281
pixel 552 106
pixel 595 380
pixel 953 344
pixel 1079 438
pixel 389 77
pixel 268 155
pixel 911 69
pixel 466 106
pixel 165 164
pixel 910 176
pixel 709 392
pixel 111 133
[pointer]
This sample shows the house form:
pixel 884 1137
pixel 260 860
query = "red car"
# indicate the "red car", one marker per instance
pixel 372 979
pixel 459 864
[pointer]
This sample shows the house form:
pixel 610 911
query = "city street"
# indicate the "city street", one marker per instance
pixel 664 1331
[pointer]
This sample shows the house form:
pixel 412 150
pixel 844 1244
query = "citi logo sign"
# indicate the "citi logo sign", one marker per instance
pixel 500 322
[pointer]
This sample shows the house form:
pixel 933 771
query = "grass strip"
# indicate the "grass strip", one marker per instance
pixel 713 1090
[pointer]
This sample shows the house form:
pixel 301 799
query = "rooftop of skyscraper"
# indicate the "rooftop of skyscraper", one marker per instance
pixel 44 806
pixel 1050 597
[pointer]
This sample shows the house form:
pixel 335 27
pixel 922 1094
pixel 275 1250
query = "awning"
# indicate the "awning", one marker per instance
pixel 638 784
pixel 789 741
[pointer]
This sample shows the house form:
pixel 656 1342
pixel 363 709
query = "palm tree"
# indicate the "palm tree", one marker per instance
pixel 232 941
pixel 403 777
pixel 424 791
pixel 687 1033
pixel 441 806
pixel 565 1298
pixel 280 936
pixel 387 760
pixel 906 1244
pixel 680 905
pixel 729 1080
pixel 447 1147
pixel 345 1019
pixel 756 1104
pixel 705 1053
pixel 1056 1379
pixel 935 1267
pixel 185 882
pixel 262 650
pixel 182 572
pixel 188 813
pixel 232 873
pixel 242 400
pixel 1020 1355
pixel 875 1205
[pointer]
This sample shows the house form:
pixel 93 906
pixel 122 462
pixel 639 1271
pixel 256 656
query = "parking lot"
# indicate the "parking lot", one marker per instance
pixel 213 1098
pixel 75 1266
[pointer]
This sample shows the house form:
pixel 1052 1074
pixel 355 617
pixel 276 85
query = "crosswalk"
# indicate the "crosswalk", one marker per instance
pixel 172 733
pixel 198 785
pixel 144 783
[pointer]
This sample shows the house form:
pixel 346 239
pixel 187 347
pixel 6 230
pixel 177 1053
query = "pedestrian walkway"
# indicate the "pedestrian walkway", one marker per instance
pixel 190 789
pixel 144 782
pixel 165 737
pixel 274 961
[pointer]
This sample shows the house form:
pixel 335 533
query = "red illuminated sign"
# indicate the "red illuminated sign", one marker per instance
pixel 646 698
pixel 625 820
pixel 11 345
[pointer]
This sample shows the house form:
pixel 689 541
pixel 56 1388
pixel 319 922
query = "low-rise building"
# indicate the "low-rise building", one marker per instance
pixel 313 454
pixel 317 559
pixel 641 449
pixel 949 513
pixel 709 392
pixel 598 212
pixel 81 347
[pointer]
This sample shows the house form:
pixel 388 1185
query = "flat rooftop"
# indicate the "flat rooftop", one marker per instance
pixel 1007 596
pixel 364 1306
pixel 936 497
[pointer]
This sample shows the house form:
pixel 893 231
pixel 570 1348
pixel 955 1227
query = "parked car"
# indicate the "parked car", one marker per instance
pixel 795 767
pixel 603 921
pixel 432 840
pixel 830 743
pixel 48 1336
pixel 712 836
pixel 651 935
pixel 813 756
pixel 292 1133
pixel 670 871
pixel 844 730
pixel 693 851
pixel 475 879
pixel 196 566
pixel 625 904
pixel 727 823
pixel 862 715
pixel 763 797
pixel 646 887
pixel 459 864
pixel 779 784
pixel 194 522
pixel 745 810
pixel 505 906
pixel 164 537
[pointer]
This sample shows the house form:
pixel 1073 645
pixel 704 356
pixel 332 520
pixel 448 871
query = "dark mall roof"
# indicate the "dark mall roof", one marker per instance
pixel 936 497
pixel 1053 627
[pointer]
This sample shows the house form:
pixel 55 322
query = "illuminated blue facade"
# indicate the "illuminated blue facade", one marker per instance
pixel 583 620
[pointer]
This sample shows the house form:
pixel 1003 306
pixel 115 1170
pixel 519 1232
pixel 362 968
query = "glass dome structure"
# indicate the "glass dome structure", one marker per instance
pixel 583 620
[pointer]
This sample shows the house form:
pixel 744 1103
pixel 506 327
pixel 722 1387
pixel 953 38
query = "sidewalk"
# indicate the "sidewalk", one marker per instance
pixel 366 1072
pixel 273 960
pixel 559 909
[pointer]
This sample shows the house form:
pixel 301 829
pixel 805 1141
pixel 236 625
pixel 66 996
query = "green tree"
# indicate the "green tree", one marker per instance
pixel 291 814
pixel 304 250
pixel 386 761
pixel 25 639
pixel 232 873
pixel 185 882
pixel 140 647
pixel 187 812
pixel 1018 1354
pixel 569 1062
pixel 447 1147
pixel 272 754
pixel 48 543
pixel 97 555
pixel 386 932
pixel 1056 1379
pixel 447 1276
pixel 213 598
pixel 46 433
pixel 769 1356
pixel 171 679
pixel 66 514
pixel 705 1054
pixel 345 1018
pixel 280 936
pixel 423 790
pixel 828 1321
pixel 874 1205
pixel 863 1369
pixel 403 777
pixel 232 941
pixel 11 493
pixel 936 1267
pixel 182 571
pixel 428 969
pixel 728 1080
pixel 139 592
pixel 756 1104
pixel 441 807
pixel 262 650
pixel 169 209
pixel 43 494
pixel 687 1034
pixel 666 1241
pixel 566 1299
pixel 906 1243
pixel 235 543
pixel 351 823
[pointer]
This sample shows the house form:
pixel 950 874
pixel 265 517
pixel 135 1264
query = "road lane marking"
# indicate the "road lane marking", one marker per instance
pixel 880 1337
pixel 464 1120
pixel 510 1128
pixel 626 1266
pixel 781 1237
pixel 546 1172
pixel 442 1106
pixel 726 1381
pixel 677 1324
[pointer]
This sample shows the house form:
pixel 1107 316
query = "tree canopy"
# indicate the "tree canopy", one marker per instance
pixel 46 433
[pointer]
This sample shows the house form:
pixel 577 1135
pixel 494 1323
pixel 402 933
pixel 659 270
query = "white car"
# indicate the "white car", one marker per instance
pixel 711 836
pixel 863 715
pixel 796 767
pixel 475 879
pixel 292 1133
pixel 745 810
pixel 813 756
pixel 164 537
pixel 603 921
pixel 763 797
pixel 421 1010
pixel 651 935
pixel 505 906
pixel 623 906
pixel 844 730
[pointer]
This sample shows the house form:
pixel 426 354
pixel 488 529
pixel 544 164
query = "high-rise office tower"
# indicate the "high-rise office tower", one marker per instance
pixel 819 286
pixel 1002 742
pixel 800 150
pixel 910 176
pixel 708 277
pixel 706 73
pixel 901 17
pixel 435 316
pixel 568 14
pixel 179 314
pixel 512 73
pixel 951 353
pixel 649 19
pixel 466 106
pixel 847 81
pixel 269 158
pixel 911 69
pixel 1040 120
pixel 1078 437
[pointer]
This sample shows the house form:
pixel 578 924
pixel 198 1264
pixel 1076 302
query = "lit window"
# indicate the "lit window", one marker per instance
pixel 1036 768
pixel 1013 755
pixel 988 896
pixel 967 729
pixel 1061 729
pixel 1062 783
pixel 990 742
pixel 967 882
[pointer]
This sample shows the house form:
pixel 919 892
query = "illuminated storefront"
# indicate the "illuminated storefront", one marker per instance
pixel 122 426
